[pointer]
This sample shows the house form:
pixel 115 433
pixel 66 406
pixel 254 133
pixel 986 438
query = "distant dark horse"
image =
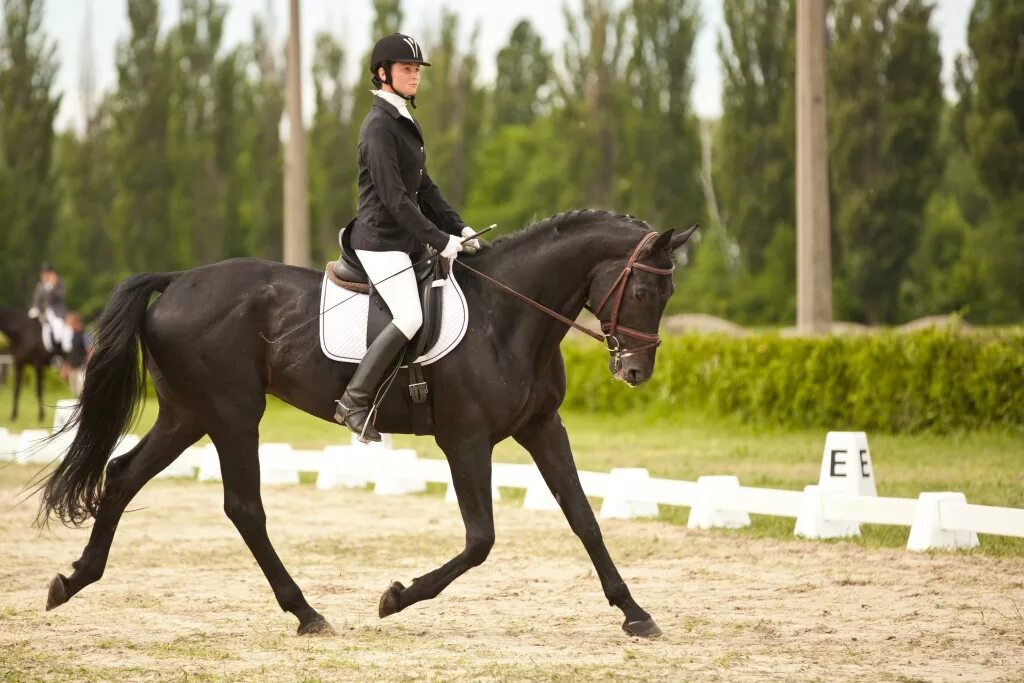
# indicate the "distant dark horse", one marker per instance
pixel 203 343
pixel 26 337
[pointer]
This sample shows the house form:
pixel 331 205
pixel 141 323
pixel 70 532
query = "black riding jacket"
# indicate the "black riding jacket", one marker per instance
pixel 400 208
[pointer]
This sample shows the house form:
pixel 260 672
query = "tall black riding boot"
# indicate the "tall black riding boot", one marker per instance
pixel 353 408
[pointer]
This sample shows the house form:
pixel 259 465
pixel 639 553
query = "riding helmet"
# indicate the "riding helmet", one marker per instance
pixel 395 48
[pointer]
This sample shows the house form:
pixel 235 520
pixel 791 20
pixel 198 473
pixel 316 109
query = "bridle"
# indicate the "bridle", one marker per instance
pixel 616 291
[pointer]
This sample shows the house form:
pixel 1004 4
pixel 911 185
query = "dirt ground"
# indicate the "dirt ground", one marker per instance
pixel 182 599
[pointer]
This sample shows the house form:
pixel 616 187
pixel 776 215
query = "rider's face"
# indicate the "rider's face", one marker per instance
pixel 405 78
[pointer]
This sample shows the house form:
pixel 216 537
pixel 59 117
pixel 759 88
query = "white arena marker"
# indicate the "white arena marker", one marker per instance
pixel 711 507
pixel 846 470
pixel 345 467
pixel 395 472
pixel 127 442
pixel 927 533
pixel 846 465
pixel 620 501
pixel 65 409
pixel 538 495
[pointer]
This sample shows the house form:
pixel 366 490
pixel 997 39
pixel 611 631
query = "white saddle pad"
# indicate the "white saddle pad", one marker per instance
pixel 343 322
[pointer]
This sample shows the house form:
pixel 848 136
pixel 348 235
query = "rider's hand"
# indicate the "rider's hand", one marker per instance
pixel 471 246
pixel 33 312
pixel 453 248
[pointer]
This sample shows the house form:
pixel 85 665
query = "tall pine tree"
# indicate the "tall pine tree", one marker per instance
pixel 28 202
pixel 992 112
pixel 884 114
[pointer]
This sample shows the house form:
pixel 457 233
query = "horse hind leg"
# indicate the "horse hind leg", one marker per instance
pixel 238 449
pixel 125 476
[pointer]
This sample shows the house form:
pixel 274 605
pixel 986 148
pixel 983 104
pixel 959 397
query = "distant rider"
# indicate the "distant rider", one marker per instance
pixel 48 302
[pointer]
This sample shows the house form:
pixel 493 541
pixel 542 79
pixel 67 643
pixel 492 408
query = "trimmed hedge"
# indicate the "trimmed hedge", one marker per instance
pixel 935 380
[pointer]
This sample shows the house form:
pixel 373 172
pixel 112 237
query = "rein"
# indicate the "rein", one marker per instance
pixel 618 289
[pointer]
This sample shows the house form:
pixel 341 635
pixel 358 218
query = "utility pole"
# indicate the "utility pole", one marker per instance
pixel 296 208
pixel 813 241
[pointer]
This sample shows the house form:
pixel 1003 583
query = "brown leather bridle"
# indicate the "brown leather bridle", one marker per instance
pixel 612 327
pixel 618 291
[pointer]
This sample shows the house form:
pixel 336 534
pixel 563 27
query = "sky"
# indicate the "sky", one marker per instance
pixel 68 21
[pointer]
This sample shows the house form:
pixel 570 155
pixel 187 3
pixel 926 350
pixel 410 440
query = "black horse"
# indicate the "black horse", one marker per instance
pixel 26 344
pixel 204 344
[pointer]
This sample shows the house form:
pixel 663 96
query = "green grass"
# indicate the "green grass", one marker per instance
pixel 988 467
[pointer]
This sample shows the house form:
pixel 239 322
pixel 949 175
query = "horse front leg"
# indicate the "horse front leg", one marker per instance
pixel 546 440
pixel 470 462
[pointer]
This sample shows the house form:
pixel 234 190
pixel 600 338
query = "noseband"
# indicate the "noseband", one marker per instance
pixel 618 291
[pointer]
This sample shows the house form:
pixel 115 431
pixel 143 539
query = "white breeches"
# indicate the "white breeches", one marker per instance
pixel 399 292
pixel 59 332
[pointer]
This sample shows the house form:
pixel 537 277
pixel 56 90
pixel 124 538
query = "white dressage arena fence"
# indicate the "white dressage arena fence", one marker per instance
pixel 844 497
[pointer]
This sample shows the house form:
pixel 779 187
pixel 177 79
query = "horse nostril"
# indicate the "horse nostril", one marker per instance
pixel 633 376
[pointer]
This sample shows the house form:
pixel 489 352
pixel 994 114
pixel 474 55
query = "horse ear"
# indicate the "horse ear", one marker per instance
pixel 663 241
pixel 682 238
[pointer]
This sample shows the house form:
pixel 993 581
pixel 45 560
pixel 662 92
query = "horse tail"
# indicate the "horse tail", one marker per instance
pixel 115 384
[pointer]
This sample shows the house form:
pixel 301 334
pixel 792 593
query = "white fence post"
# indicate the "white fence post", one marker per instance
pixel 621 499
pixel 927 532
pixel 538 495
pixel 811 521
pixel 395 473
pixel 709 510
pixel 277 464
pixel 345 467
pixel 209 466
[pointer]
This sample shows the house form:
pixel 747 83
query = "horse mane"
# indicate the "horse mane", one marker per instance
pixel 571 221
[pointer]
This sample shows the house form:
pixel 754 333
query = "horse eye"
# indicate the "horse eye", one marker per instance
pixel 643 295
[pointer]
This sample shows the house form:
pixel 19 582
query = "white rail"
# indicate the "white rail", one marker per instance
pixel 937 520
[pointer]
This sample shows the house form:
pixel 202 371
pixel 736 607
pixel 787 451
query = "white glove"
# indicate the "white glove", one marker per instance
pixel 471 246
pixel 33 312
pixel 453 248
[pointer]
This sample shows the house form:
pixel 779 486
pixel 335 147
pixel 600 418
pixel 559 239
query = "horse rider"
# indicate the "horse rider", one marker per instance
pixel 396 196
pixel 49 306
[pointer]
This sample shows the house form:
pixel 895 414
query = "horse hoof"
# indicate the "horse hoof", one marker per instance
pixel 58 593
pixel 390 601
pixel 316 627
pixel 642 629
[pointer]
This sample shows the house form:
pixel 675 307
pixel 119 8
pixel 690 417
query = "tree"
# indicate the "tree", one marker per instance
pixel 658 174
pixel 452 115
pixel 884 117
pixel 332 172
pixel 197 228
pixel 590 89
pixel 523 71
pixel 28 203
pixel 754 167
pixel 992 116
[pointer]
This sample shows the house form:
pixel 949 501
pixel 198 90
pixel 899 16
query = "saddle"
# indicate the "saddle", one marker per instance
pixel 347 272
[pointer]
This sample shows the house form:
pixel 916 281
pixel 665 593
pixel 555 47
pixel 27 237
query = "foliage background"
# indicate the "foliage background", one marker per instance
pixel 181 164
